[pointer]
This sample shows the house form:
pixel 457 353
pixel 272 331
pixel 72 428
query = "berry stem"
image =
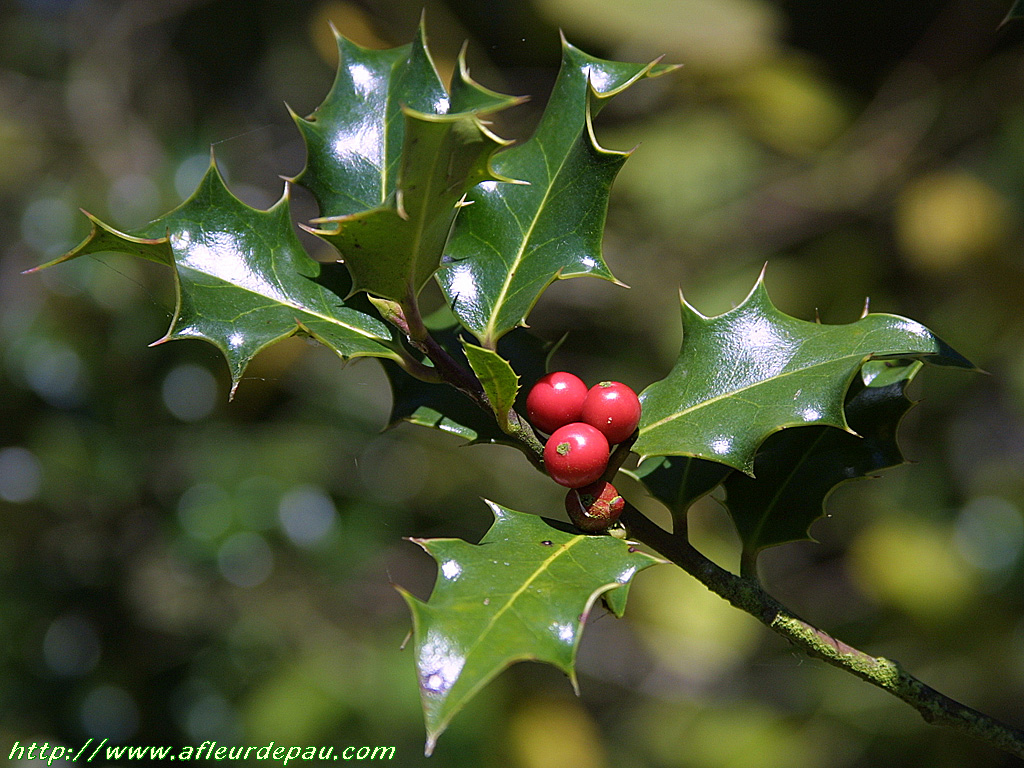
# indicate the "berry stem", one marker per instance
pixel 619 455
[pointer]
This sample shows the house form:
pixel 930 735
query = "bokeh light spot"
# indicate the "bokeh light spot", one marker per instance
pixel 204 511
pixel 21 475
pixel 307 514
pixel 110 712
pixel 245 559
pixel 989 533
pixel 71 646
pixel 189 392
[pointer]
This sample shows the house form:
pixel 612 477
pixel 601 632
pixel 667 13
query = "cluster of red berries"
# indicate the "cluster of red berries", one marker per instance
pixel 583 425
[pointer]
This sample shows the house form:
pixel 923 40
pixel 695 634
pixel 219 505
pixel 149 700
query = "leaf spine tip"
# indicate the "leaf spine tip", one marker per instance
pixel 648 71
pixel 667 68
pixel 496 509
pixel 759 289
pixel 286 193
pixel 688 310
pixel 574 681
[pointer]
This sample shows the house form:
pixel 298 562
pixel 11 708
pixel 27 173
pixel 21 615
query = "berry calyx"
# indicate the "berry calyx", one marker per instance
pixel 593 508
pixel 613 408
pixel 576 455
pixel 555 400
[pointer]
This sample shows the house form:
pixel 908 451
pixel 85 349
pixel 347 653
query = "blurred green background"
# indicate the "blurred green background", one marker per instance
pixel 175 567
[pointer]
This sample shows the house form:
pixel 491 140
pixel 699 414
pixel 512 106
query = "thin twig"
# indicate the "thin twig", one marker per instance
pixel 619 455
pixel 406 317
pixel 748 596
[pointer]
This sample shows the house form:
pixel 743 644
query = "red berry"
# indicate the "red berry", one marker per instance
pixel 613 408
pixel 555 400
pixel 576 455
pixel 594 507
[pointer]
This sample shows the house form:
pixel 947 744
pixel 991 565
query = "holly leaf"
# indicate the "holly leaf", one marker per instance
pixel 243 279
pixel 679 481
pixel 389 162
pixel 754 370
pixel 393 249
pixel 444 408
pixel 515 240
pixel 500 382
pixel 354 139
pixel 796 470
pixel 522 593
pixel 440 407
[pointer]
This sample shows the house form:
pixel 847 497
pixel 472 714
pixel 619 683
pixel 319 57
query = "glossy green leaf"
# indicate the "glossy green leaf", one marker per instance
pixel 243 279
pixel 354 139
pixel 752 371
pixel 393 249
pixel 467 95
pixel 679 481
pixel 796 470
pixel 522 593
pixel 390 157
pixel 500 382
pixel 514 240
pixel 442 407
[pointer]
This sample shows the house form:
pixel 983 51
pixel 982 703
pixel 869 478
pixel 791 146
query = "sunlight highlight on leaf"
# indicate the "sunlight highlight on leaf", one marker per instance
pixel 524 592
pixel 754 370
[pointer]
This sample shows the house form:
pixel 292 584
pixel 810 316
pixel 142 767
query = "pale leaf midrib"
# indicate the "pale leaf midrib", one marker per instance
pixel 521 253
pixel 525 585
pixel 421 221
pixel 734 392
pixel 563 549
pixel 291 304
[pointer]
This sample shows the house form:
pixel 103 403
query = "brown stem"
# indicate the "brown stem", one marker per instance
pixel 748 596
pixel 619 455
pixel 406 317
pixel 526 439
